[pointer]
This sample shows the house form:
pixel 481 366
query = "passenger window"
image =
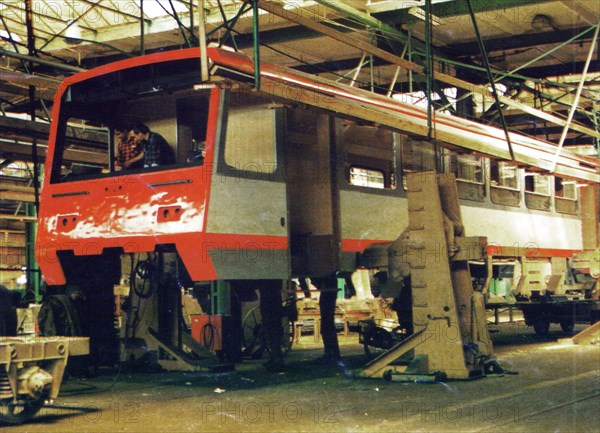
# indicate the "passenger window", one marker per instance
pixel 537 190
pixel 536 183
pixel 468 170
pixel 565 196
pixel 566 189
pixel 504 184
pixel 369 154
pixel 251 139
pixel 504 175
pixel 367 177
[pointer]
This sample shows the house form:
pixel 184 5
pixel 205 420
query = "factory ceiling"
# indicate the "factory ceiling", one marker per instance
pixel 537 52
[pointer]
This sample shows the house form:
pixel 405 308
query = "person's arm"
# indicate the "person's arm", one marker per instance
pixel 118 158
pixel 133 160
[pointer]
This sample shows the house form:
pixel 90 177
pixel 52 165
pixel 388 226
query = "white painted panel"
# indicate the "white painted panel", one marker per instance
pixel 246 206
pixel 375 216
pixel 522 227
pixel 372 216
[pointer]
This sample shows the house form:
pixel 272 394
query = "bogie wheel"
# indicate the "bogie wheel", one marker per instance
pixel 376 342
pixel 567 327
pixel 541 326
pixel 252 331
pixel 253 339
pixel 17 413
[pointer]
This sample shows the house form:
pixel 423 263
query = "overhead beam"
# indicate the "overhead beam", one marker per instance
pixel 560 69
pixel 28 79
pixel 12 89
pixel 293 16
pixel 21 129
pixel 16 188
pixel 40 61
pixel 17 196
pixel 11 217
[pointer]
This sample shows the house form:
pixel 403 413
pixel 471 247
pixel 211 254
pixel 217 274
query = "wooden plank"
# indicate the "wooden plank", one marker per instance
pixel 17 196
pixel 376 367
pixel 25 130
pixel 587 335
pixel 16 188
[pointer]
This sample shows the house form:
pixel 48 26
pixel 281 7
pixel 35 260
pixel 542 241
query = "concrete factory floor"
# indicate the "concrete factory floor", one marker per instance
pixel 557 389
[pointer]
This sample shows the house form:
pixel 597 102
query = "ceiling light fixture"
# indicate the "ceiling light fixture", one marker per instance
pixel 542 22
pixel 73 33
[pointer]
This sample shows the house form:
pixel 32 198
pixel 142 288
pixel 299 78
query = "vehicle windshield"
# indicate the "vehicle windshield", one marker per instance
pixel 99 113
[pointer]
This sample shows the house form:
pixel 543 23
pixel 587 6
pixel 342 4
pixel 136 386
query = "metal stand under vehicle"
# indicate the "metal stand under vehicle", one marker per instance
pixel 450 338
pixel 153 324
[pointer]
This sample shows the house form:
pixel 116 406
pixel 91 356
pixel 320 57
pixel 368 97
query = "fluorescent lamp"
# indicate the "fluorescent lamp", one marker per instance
pixel 204 86
pixel 73 33
pixel 6 35
pixel 416 11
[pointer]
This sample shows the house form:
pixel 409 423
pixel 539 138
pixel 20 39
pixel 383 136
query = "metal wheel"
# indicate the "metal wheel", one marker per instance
pixel 541 326
pixel 376 342
pixel 567 327
pixel 253 341
pixel 252 331
pixel 16 413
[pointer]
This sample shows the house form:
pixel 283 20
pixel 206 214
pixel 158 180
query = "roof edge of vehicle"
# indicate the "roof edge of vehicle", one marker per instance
pixel 482 139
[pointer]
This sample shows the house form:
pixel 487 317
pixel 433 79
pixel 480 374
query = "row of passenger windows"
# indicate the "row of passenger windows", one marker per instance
pixel 474 173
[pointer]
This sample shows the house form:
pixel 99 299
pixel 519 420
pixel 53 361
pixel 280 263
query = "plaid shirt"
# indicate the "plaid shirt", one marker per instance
pixel 155 148
pixel 127 151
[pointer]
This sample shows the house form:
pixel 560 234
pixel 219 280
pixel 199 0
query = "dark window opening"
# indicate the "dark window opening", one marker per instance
pixel 504 175
pixel 369 154
pixel 537 191
pixel 95 133
pixel 537 183
pixel 566 189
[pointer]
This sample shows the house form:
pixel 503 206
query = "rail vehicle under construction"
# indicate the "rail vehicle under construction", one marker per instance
pixel 296 178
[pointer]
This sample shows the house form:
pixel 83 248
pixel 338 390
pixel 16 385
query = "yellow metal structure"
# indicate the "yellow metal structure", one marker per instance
pixel 450 337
